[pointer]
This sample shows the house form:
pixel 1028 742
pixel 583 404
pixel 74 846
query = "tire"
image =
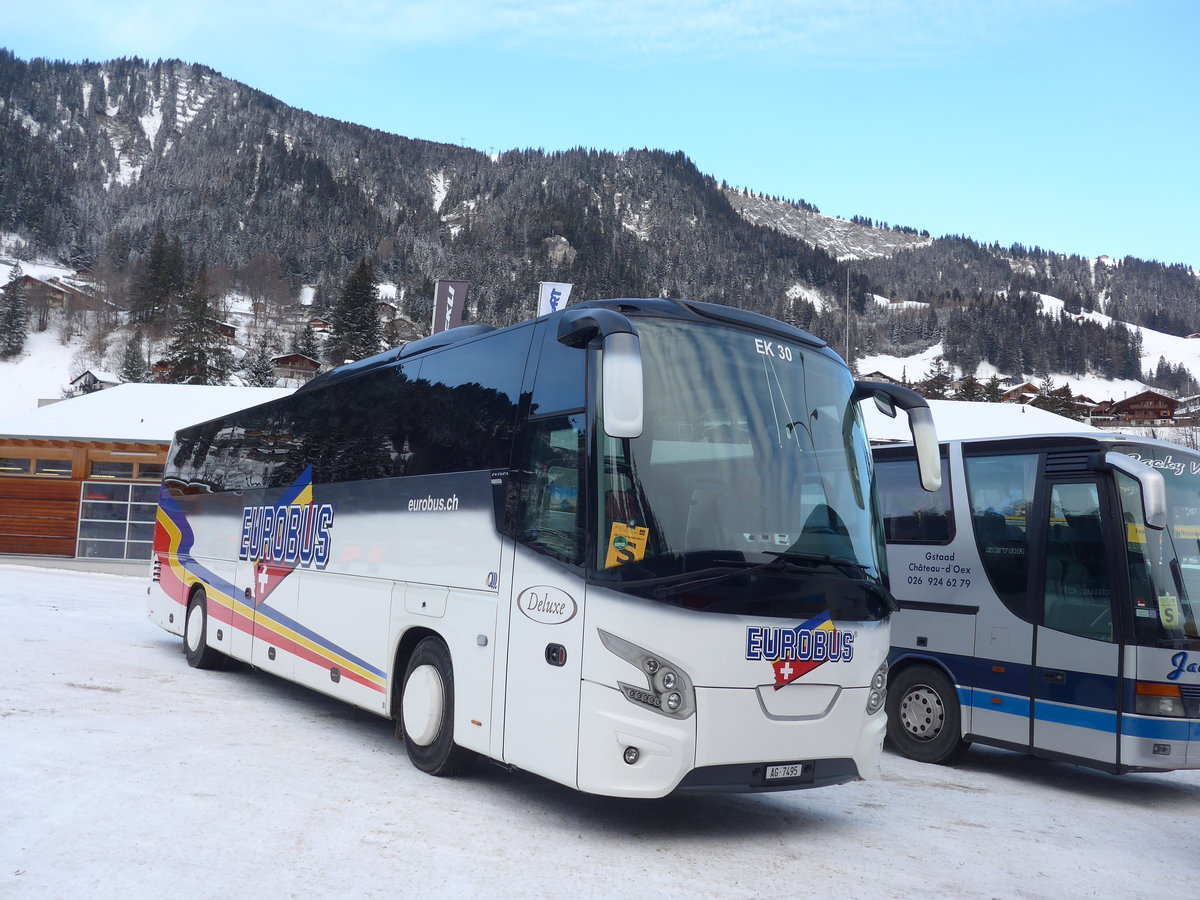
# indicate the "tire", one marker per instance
pixel 195 635
pixel 924 719
pixel 426 720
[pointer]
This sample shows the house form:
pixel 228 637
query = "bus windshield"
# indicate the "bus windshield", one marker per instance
pixel 1164 566
pixel 750 489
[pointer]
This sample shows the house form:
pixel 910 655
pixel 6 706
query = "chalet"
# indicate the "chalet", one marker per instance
pixel 295 366
pixel 320 326
pixel 80 478
pixel 54 293
pixel 1146 408
pixel 1023 392
pixel 386 310
pixel 878 376
pixel 92 380
pixel 224 329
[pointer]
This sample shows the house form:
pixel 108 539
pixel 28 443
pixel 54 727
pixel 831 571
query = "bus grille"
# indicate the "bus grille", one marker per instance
pixel 1191 700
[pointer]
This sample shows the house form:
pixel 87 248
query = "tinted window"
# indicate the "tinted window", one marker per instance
pixel 112 470
pixel 1001 493
pixel 911 514
pixel 1077 598
pixel 462 408
pixel 13 466
pixel 450 411
pixel 561 376
pixel 547 489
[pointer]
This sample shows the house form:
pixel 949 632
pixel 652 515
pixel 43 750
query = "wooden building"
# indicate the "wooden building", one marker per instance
pixel 81 477
pixel 1146 408
pixel 295 367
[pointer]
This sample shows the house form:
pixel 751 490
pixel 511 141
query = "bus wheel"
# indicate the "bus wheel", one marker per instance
pixel 427 711
pixel 195 635
pixel 924 720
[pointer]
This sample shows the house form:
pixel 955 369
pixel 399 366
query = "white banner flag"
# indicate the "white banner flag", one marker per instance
pixel 552 296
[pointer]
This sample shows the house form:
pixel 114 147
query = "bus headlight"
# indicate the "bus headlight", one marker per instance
pixel 1155 699
pixel 668 690
pixel 878 693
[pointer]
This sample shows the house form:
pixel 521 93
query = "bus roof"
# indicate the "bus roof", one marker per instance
pixel 962 420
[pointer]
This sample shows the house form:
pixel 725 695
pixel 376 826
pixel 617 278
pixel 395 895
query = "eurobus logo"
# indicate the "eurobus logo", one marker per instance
pixel 290 535
pixel 794 652
pixel 293 532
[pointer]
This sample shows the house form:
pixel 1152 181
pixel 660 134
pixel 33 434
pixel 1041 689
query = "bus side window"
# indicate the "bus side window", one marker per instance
pixel 549 514
pixel 912 515
pixel 1077 598
pixel 1000 489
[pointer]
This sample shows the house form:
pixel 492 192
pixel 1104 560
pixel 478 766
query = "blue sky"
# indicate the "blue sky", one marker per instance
pixel 1069 124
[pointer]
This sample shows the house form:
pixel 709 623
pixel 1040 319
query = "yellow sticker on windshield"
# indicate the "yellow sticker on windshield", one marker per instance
pixel 1187 532
pixel 1168 610
pixel 1134 533
pixel 626 544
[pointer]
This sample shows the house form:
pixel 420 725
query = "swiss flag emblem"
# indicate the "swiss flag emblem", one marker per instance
pixel 788 670
pixel 267 577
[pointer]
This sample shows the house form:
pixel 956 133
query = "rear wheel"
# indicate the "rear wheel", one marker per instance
pixel 195 635
pixel 924 719
pixel 426 721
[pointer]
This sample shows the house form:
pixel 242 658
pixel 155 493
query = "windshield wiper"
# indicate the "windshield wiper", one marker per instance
pixel 788 559
pixel 792 556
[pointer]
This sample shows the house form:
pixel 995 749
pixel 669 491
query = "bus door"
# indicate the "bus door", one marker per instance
pixel 272 591
pixel 545 639
pixel 1076 674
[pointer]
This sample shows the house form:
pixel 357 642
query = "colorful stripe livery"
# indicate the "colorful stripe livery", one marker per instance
pixel 180 571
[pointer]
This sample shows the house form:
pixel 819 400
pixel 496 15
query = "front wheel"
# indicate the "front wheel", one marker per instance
pixel 195 635
pixel 426 721
pixel 924 719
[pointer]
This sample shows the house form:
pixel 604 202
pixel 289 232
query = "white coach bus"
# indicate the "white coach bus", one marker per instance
pixel 632 546
pixel 1050 600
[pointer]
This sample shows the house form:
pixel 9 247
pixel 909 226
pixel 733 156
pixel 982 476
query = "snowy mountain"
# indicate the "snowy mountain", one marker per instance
pixel 844 239
pixel 99 162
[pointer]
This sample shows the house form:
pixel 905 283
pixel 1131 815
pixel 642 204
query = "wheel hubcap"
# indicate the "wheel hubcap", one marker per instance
pixel 195 625
pixel 922 713
pixel 423 703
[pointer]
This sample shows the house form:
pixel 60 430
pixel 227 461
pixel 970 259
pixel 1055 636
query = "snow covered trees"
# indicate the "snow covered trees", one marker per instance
pixel 134 369
pixel 356 333
pixel 14 315
pixel 258 370
pixel 196 352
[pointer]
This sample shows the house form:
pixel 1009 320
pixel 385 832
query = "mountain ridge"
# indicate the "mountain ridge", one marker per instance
pixel 97 158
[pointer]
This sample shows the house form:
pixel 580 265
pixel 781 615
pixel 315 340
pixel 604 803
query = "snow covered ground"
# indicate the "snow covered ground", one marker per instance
pixel 123 773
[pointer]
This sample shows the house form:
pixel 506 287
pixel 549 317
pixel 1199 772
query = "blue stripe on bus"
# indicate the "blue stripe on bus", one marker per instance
pixel 1089 717
pixel 1161 729
pixel 1076 716
pixel 993 702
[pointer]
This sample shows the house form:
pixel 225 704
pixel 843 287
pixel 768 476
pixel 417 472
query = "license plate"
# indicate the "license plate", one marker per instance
pixel 790 770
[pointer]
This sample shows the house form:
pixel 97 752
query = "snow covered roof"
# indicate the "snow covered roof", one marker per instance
pixel 134 412
pixel 959 419
pixel 100 375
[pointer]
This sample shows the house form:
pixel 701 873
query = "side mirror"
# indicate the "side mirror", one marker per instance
pixel 889 397
pixel 929 460
pixel 621 394
pixel 1154 487
pixel 621 386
